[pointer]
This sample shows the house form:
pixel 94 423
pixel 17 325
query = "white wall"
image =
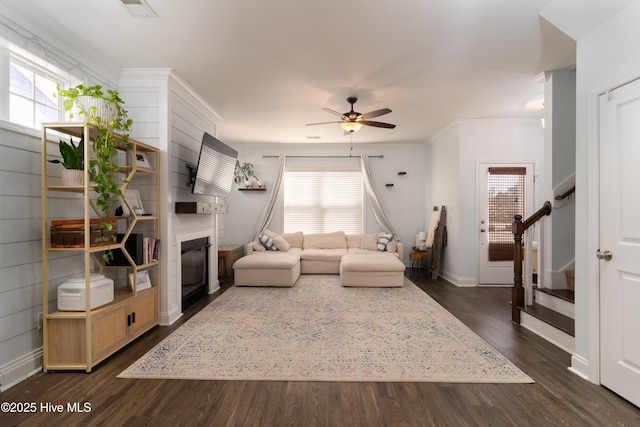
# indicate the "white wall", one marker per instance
pixel 559 168
pixel 404 203
pixel 20 254
pixel 455 156
pixel 606 58
pixel 445 191
pixel 169 115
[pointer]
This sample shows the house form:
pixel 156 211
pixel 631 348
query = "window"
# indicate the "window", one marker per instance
pixel 323 201
pixel 28 93
pixel 31 99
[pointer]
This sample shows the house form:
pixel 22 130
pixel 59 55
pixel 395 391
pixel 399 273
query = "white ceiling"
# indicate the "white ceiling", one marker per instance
pixel 269 66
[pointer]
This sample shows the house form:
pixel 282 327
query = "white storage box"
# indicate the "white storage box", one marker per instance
pixel 71 294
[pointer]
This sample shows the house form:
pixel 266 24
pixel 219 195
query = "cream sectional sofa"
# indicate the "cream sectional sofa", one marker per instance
pixel 278 260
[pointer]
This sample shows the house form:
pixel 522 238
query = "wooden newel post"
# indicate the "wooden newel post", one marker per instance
pixel 517 294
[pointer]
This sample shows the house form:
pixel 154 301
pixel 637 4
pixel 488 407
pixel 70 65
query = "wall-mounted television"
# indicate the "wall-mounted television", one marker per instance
pixel 216 165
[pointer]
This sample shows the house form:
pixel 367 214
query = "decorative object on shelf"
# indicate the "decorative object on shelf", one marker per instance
pixel 69 233
pixel 142 280
pixel 141 160
pixel 104 109
pixel 72 161
pixel 244 173
pixel 133 199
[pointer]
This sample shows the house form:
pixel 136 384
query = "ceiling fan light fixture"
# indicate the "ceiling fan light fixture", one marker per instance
pixel 351 126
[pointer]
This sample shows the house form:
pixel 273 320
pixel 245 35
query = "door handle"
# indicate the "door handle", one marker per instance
pixel 605 255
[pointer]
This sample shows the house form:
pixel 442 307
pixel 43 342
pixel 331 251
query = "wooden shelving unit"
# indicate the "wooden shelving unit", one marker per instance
pixel 78 340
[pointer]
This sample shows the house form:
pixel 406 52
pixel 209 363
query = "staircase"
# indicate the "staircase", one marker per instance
pixel 551 316
pixel 550 312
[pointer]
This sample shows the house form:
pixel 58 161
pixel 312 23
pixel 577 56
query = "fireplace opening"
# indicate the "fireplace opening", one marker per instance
pixel 194 258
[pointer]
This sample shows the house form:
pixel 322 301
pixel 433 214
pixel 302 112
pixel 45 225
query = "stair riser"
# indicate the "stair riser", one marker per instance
pixel 548 332
pixel 556 304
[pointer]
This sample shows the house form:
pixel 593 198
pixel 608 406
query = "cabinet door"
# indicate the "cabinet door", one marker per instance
pixel 109 331
pixel 144 312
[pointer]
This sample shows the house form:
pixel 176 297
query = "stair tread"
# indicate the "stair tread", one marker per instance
pixel 553 318
pixel 565 294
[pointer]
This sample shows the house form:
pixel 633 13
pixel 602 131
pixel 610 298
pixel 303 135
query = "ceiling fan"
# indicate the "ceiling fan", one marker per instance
pixel 353 121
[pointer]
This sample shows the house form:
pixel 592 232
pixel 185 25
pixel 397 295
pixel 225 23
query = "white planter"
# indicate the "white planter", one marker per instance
pixel 72 177
pixel 99 107
pixel 248 184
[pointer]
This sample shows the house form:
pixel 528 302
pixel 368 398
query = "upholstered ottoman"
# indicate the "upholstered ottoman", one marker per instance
pixel 371 270
pixel 267 269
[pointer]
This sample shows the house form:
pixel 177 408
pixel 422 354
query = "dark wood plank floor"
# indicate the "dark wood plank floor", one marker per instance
pixel 558 398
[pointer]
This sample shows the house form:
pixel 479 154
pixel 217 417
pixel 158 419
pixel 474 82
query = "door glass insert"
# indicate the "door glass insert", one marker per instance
pixel 506 200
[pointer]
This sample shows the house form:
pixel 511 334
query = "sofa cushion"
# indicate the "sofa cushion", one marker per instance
pixel 294 239
pixel 369 242
pixel 323 254
pixel 267 260
pixel 354 241
pixel 358 251
pixel 335 240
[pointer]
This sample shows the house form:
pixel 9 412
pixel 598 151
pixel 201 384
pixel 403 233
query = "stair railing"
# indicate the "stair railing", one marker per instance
pixel 519 227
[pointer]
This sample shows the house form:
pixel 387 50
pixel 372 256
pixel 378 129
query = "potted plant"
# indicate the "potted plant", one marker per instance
pixel 72 161
pixel 104 110
pixel 244 173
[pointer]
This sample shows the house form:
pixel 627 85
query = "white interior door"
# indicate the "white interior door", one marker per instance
pixel 619 251
pixel 504 189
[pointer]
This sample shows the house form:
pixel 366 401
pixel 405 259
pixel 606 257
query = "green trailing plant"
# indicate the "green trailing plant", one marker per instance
pixel 103 166
pixel 72 155
pixel 104 109
pixel 243 172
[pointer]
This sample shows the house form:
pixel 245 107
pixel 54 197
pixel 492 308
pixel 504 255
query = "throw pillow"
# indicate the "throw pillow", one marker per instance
pixel 278 240
pixel 383 241
pixel 267 242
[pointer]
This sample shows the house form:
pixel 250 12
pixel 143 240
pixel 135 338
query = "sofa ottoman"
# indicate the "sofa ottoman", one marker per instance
pixel 267 269
pixel 371 270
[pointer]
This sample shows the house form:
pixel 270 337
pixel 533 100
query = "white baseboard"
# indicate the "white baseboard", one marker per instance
pixel 579 366
pixel 461 282
pixel 20 369
pixel 167 318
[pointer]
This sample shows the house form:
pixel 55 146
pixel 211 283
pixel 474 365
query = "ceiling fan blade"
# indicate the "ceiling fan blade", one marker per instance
pixel 376 113
pixel 321 123
pixel 335 113
pixel 377 124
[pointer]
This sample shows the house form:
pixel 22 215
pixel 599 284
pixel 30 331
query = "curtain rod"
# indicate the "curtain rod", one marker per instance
pixel 264 156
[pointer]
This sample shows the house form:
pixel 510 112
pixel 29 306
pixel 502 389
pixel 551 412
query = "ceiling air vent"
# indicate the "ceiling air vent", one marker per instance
pixel 139 8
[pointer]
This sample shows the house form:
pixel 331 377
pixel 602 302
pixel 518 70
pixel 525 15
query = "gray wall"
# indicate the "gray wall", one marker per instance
pixel 404 203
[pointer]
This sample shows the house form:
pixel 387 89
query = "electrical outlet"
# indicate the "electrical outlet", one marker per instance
pixel 40 321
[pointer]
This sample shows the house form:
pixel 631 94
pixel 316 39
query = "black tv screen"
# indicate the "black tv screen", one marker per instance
pixel 216 165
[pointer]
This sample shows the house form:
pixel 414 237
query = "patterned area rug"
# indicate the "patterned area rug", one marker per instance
pixel 321 331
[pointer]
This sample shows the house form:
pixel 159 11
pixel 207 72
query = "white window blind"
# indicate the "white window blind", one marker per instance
pixel 323 201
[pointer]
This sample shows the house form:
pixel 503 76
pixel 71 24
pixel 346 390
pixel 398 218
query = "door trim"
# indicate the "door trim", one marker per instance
pixel 530 199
